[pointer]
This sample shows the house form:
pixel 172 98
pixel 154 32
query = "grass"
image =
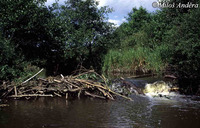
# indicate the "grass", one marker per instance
pixel 132 59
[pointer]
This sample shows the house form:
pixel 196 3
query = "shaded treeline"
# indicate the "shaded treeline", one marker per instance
pixel 166 41
pixel 58 37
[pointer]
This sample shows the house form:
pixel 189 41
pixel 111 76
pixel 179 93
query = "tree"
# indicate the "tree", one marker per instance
pixel 129 32
pixel 28 25
pixel 56 37
pixel 85 26
pixel 11 63
pixel 186 55
pixel 137 18
pixel 170 35
pixel 18 21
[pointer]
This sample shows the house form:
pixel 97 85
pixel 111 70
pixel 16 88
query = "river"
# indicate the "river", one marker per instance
pixel 143 112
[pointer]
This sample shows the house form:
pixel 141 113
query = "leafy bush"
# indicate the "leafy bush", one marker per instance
pixel 13 66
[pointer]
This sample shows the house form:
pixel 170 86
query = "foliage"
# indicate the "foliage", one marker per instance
pixel 137 50
pixel 163 39
pixel 127 32
pixel 61 37
pixel 58 37
pixel 13 64
pixel 10 66
pixel 87 26
pixel 134 59
pixel 83 26
pixel 186 55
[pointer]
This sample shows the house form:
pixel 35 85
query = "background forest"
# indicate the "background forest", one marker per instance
pixel 60 38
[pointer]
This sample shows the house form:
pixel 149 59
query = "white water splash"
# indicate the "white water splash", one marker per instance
pixel 158 89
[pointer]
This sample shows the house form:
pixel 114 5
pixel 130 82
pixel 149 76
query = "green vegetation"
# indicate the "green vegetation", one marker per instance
pixel 57 38
pixel 61 38
pixel 134 59
pixel 136 50
pixel 167 40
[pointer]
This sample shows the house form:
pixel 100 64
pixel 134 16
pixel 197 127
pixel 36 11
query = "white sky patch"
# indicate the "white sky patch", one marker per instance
pixel 50 2
pixel 121 7
pixel 123 19
pixel 127 4
pixel 116 22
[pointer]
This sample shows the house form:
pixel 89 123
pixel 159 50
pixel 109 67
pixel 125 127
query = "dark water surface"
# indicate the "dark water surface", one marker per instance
pixel 143 112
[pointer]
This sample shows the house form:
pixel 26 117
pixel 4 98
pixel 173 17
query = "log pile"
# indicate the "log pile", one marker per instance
pixel 87 83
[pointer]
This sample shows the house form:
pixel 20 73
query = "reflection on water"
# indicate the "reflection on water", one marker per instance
pixel 143 112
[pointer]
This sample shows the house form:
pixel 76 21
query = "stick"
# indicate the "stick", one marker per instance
pixel 80 80
pixel 170 76
pixel 57 94
pixel 42 79
pixel 70 83
pixel 92 95
pixel 5 94
pixel 79 93
pixel 31 95
pixel 106 94
pixel 75 90
pixel 32 76
pixel 62 77
pixel 57 81
pixel 66 96
pixel 15 88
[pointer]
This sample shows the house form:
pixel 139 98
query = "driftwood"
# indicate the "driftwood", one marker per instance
pixel 67 86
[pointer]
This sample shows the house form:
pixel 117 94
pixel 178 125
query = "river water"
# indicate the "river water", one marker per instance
pixel 143 112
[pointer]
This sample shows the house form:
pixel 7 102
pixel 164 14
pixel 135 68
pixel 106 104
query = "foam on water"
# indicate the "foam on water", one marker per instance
pixel 158 89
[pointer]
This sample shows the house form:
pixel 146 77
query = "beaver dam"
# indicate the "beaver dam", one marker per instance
pixel 154 105
pixel 87 83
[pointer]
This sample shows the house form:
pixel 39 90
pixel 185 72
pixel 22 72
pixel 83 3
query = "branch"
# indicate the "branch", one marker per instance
pixel 31 95
pixel 32 76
